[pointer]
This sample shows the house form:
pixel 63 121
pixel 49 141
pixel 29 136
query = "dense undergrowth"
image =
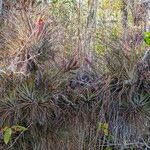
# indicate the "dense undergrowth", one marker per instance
pixel 69 98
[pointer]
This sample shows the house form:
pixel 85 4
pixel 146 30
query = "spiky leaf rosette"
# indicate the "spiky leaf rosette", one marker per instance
pixel 31 38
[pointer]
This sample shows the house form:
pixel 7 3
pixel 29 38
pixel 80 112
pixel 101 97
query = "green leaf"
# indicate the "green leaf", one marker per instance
pixel 147 34
pixel 19 128
pixel 110 138
pixel 108 148
pixel 147 41
pixel 7 135
pixel 147 38
pixel 104 128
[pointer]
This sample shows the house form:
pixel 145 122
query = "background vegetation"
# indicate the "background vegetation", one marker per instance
pixel 74 75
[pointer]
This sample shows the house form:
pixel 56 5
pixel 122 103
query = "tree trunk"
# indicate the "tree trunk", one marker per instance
pixel 124 14
pixel 90 27
pixel 1 9
pixel 124 11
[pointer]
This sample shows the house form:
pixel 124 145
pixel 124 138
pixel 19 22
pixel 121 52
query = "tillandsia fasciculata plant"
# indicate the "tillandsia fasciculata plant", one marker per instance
pixel 74 75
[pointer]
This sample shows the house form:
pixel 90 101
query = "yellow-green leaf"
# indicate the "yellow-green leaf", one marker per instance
pixel 4 129
pixel 7 135
pixel 104 128
pixel 19 128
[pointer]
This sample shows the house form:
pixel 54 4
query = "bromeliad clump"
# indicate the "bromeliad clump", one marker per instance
pixel 31 38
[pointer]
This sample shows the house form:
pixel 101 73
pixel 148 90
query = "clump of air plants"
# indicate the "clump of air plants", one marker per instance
pixel 67 104
pixel 126 95
pixel 31 38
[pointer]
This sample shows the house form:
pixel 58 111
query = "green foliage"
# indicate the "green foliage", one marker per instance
pixel 147 38
pixel 111 5
pixel 7 132
pixel 19 128
pixel 7 135
pixel 63 9
pixel 110 138
pixel 104 128
pixel 108 148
